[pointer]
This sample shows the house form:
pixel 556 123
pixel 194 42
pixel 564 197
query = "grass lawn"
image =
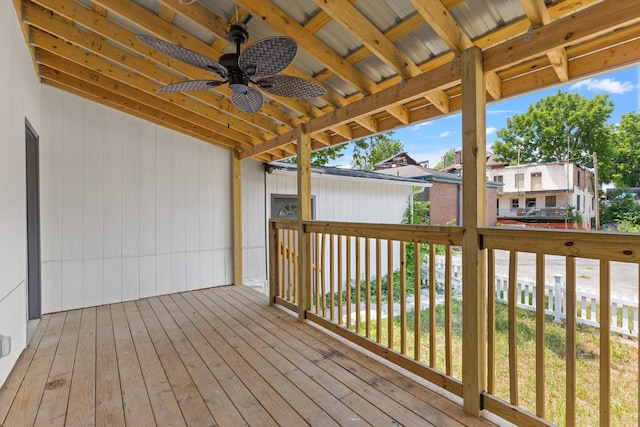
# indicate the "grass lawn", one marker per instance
pixel 624 364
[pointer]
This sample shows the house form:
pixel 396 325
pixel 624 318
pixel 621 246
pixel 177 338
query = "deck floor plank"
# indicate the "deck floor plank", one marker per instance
pixel 163 401
pixel 109 409
pixel 135 400
pixel 82 396
pixel 284 355
pixel 11 386
pixel 277 407
pixel 320 407
pixel 247 404
pixel 363 383
pixel 53 407
pixel 191 403
pixel 220 406
pixel 25 408
pixel 214 357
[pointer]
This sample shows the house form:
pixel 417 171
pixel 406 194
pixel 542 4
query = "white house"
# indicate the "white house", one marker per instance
pixel 544 193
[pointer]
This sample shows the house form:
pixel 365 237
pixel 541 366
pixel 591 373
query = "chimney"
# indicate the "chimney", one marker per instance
pixel 458 157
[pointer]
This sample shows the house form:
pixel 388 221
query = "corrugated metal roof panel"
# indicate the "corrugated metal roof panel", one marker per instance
pixel 338 39
pixel 300 10
pixel 479 17
pixel 340 86
pixel 384 14
pixel 195 30
pixel 224 8
pixel 422 44
pixel 375 69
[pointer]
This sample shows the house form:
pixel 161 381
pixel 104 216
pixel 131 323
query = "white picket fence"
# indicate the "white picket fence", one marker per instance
pixel 624 311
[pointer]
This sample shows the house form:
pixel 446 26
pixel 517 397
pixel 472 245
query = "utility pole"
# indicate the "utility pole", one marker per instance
pixel 596 189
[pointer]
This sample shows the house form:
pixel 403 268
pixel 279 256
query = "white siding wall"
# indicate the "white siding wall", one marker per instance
pixel 19 99
pixel 129 209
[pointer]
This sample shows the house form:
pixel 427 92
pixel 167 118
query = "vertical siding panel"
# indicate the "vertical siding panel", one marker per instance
pixel 51 164
pixel 131 187
pixel 93 282
pixel 112 184
pixel 178 272
pixel 192 204
pixel 93 183
pixel 163 274
pixel 130 278
pixel 178 196
pixel 72 279
pixel 206 269
pixel 147 276
pixel 222 201
pixel 207 182
pixel 163 191
pixel 72 174
pixel 193 271
pixel 112 280
pixel 147 189
pixel 51 286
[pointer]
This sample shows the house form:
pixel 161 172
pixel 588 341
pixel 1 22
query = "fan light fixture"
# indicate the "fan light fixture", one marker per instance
pixel 259 65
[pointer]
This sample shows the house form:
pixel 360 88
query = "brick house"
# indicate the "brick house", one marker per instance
pixel 445 192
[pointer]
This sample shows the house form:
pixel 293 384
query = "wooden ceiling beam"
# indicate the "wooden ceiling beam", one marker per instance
pixel 139 16
pixel 537 13
pixel 606 16
pixel 439 18
pixel 366 33
pixel 105 28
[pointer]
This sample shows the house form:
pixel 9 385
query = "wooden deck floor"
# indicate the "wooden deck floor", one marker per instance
pixel 219 356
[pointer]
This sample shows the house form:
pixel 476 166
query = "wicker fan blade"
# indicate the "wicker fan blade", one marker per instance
pixel 268 56
pixel 184 55
pixel 250 101
pixel 291 87
pixel 190 85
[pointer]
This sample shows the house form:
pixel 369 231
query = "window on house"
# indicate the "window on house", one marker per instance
pixel 515 204
pixel 578 202
pixel 519 180
pixel 285 206
pixel 578 178
pixel 550 202
pixel 530 202
pixel 536 181
pixel 497 178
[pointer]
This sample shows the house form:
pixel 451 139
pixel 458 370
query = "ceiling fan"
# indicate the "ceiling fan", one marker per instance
pixel 258 64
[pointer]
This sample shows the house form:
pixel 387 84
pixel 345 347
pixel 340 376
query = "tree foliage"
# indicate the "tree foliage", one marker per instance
pixel 560 127
pixel 374 149
pixel 448 159
pixel 323 156
pixel 627 172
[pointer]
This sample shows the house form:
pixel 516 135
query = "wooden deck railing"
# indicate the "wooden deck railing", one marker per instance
pixel 377 286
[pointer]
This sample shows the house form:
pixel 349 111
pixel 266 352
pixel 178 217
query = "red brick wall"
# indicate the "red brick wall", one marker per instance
pixel 444 204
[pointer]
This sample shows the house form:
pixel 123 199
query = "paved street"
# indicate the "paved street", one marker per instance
pixel 624 276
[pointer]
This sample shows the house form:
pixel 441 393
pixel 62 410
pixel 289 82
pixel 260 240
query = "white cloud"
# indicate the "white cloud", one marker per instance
pixel 605 85
pixel 444 134
pixel 491 130
pixel 421 125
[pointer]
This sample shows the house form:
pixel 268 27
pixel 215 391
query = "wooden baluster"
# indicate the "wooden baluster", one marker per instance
pixel 348 283
pixel 367 272
pixel 491 321
pixel 540 324
pixel 432 305
pixel 403 297
pixel 378 291
pixel 605 344
pixel 357 285
pixel 417 277
pixel 513 328
pixel 390 294
pixel 448 331
pixel 570 312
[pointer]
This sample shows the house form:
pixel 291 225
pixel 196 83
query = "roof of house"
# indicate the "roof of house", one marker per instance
pixel 345 173
pixel 383 63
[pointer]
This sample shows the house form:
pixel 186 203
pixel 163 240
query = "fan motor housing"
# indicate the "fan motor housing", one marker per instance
pixel 237 79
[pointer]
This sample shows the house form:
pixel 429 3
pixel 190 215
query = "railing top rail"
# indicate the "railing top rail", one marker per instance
pixel 623 247
pixel 401 232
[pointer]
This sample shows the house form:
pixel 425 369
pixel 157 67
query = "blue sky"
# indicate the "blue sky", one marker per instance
pixel 430 140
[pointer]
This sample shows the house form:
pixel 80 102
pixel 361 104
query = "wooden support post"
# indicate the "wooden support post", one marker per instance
pixel 474 348
pixel 304 214
pixel 236 171
pixel 274 257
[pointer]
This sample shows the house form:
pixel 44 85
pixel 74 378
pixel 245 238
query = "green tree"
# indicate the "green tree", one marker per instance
pixel 323 156
pixel 374 149
pixel 448 159
pixel 627 172
pixel 557 125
